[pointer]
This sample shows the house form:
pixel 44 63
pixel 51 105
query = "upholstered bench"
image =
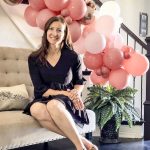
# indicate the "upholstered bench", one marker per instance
pixel 16 128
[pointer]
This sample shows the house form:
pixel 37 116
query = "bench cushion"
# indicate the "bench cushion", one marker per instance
pixel 18 130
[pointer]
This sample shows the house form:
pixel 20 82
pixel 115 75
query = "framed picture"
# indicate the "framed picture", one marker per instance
pixel 143 26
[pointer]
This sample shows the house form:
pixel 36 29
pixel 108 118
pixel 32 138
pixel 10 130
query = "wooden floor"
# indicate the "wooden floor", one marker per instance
pixel 64 144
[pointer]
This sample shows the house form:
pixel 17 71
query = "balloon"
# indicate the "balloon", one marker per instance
pixel 78 46
pixel 14 2
pixel 37 4
pixel 113 58
pixel 95 42
pixel 65 12
pixel 68 19
pixel 110 42
pixel 118 41
pixel 75 30
pixel 87 29
pixel 127 51
pixel 77 9
pixel 43 16
pixel 119 78
pixel 105 25
pixel 105 72
pixel 137 64
pixel 30 16
pixel 98 79
pixel 110 8
pixel 93 61
pixel 98 72
pixel 56 5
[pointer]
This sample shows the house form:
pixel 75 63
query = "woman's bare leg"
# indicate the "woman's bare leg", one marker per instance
pixel 65 122
pixel 46 121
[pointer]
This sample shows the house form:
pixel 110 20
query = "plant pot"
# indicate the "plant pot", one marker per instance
pixel 109 135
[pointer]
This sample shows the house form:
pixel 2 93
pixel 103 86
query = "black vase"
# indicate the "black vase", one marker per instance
pixel 109 135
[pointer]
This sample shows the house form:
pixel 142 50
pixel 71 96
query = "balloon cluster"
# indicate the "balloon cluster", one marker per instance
pixel 105 53
pixel 94 36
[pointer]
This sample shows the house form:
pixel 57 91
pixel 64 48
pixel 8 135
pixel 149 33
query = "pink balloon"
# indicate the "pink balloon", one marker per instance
pixel 75 30
pixel 77 9
pixel 43 16
pixel 127 51
pixel 37 4
pixel 79 46
pixel 56 5
pixel 65 12
pixel 87 29
pixel 119 78
pixel 113 58
pixel 105 72
pixel 95 42
pixel 137 64
pixel 98 79
pixel 68 19
pixel 105 25
pixel 118 41
pixel 30 16
pixel 93 61
pixel 110 42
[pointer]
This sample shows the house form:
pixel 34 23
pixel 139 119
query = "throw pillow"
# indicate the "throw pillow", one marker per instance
pixel 13 98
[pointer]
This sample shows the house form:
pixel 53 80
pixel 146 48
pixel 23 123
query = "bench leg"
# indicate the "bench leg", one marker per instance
pixel 89 136
pixel 46 145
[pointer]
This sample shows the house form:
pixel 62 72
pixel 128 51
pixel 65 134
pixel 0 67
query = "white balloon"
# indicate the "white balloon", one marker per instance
pixel 110 8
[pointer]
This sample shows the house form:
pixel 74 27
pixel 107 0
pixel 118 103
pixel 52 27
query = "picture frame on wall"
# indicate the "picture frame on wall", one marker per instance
pixel 143 26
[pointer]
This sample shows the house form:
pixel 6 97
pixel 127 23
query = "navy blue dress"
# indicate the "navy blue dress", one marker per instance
pixel 64 75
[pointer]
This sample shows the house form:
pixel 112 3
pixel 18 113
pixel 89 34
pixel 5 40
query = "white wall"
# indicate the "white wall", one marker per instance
pixel 9 34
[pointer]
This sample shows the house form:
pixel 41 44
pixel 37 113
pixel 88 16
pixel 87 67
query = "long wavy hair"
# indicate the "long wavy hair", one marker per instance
pixel 43 50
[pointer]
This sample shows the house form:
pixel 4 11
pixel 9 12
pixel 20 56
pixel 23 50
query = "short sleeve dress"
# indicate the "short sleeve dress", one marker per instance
pixel 64 75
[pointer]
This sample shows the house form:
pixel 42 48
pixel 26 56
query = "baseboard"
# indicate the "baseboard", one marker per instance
pixel 137 131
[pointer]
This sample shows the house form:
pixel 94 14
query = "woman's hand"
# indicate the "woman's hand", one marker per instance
pixel 75 97
pixel 78 103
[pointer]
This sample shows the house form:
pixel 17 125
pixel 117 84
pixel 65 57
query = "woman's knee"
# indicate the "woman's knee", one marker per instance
pixel 39 111
pixel 55 106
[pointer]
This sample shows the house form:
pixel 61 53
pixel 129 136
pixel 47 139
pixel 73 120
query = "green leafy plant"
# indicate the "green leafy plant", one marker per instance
pixel 108 102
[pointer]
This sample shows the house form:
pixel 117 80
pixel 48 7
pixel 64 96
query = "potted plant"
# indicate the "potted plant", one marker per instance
pixel 111 107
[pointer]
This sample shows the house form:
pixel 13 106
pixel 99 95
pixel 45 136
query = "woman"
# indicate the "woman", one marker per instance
pixel 55 70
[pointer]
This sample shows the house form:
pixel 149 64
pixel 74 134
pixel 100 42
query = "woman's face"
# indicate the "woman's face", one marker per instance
pixel 56 33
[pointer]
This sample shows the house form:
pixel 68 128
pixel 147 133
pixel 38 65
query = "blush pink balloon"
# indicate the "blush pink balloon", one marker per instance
pixel 105 72
pixel 65 12
pixel 93 61
pixel 30 16
pixel 95 42
pixel 110 42
pixel 118 41
pixel 113 58
pixel 43 16
pixel 119 78
pixel 75 30
pixel 137 64
pixel 105 25
pixel 87 29
pixel 77 9
pixel 98 79
pixel 37 4
pixel 68 19
pixel 56 5
pixel 79 46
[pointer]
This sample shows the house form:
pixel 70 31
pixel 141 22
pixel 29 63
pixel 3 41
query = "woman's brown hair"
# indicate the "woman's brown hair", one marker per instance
pixel 43 50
